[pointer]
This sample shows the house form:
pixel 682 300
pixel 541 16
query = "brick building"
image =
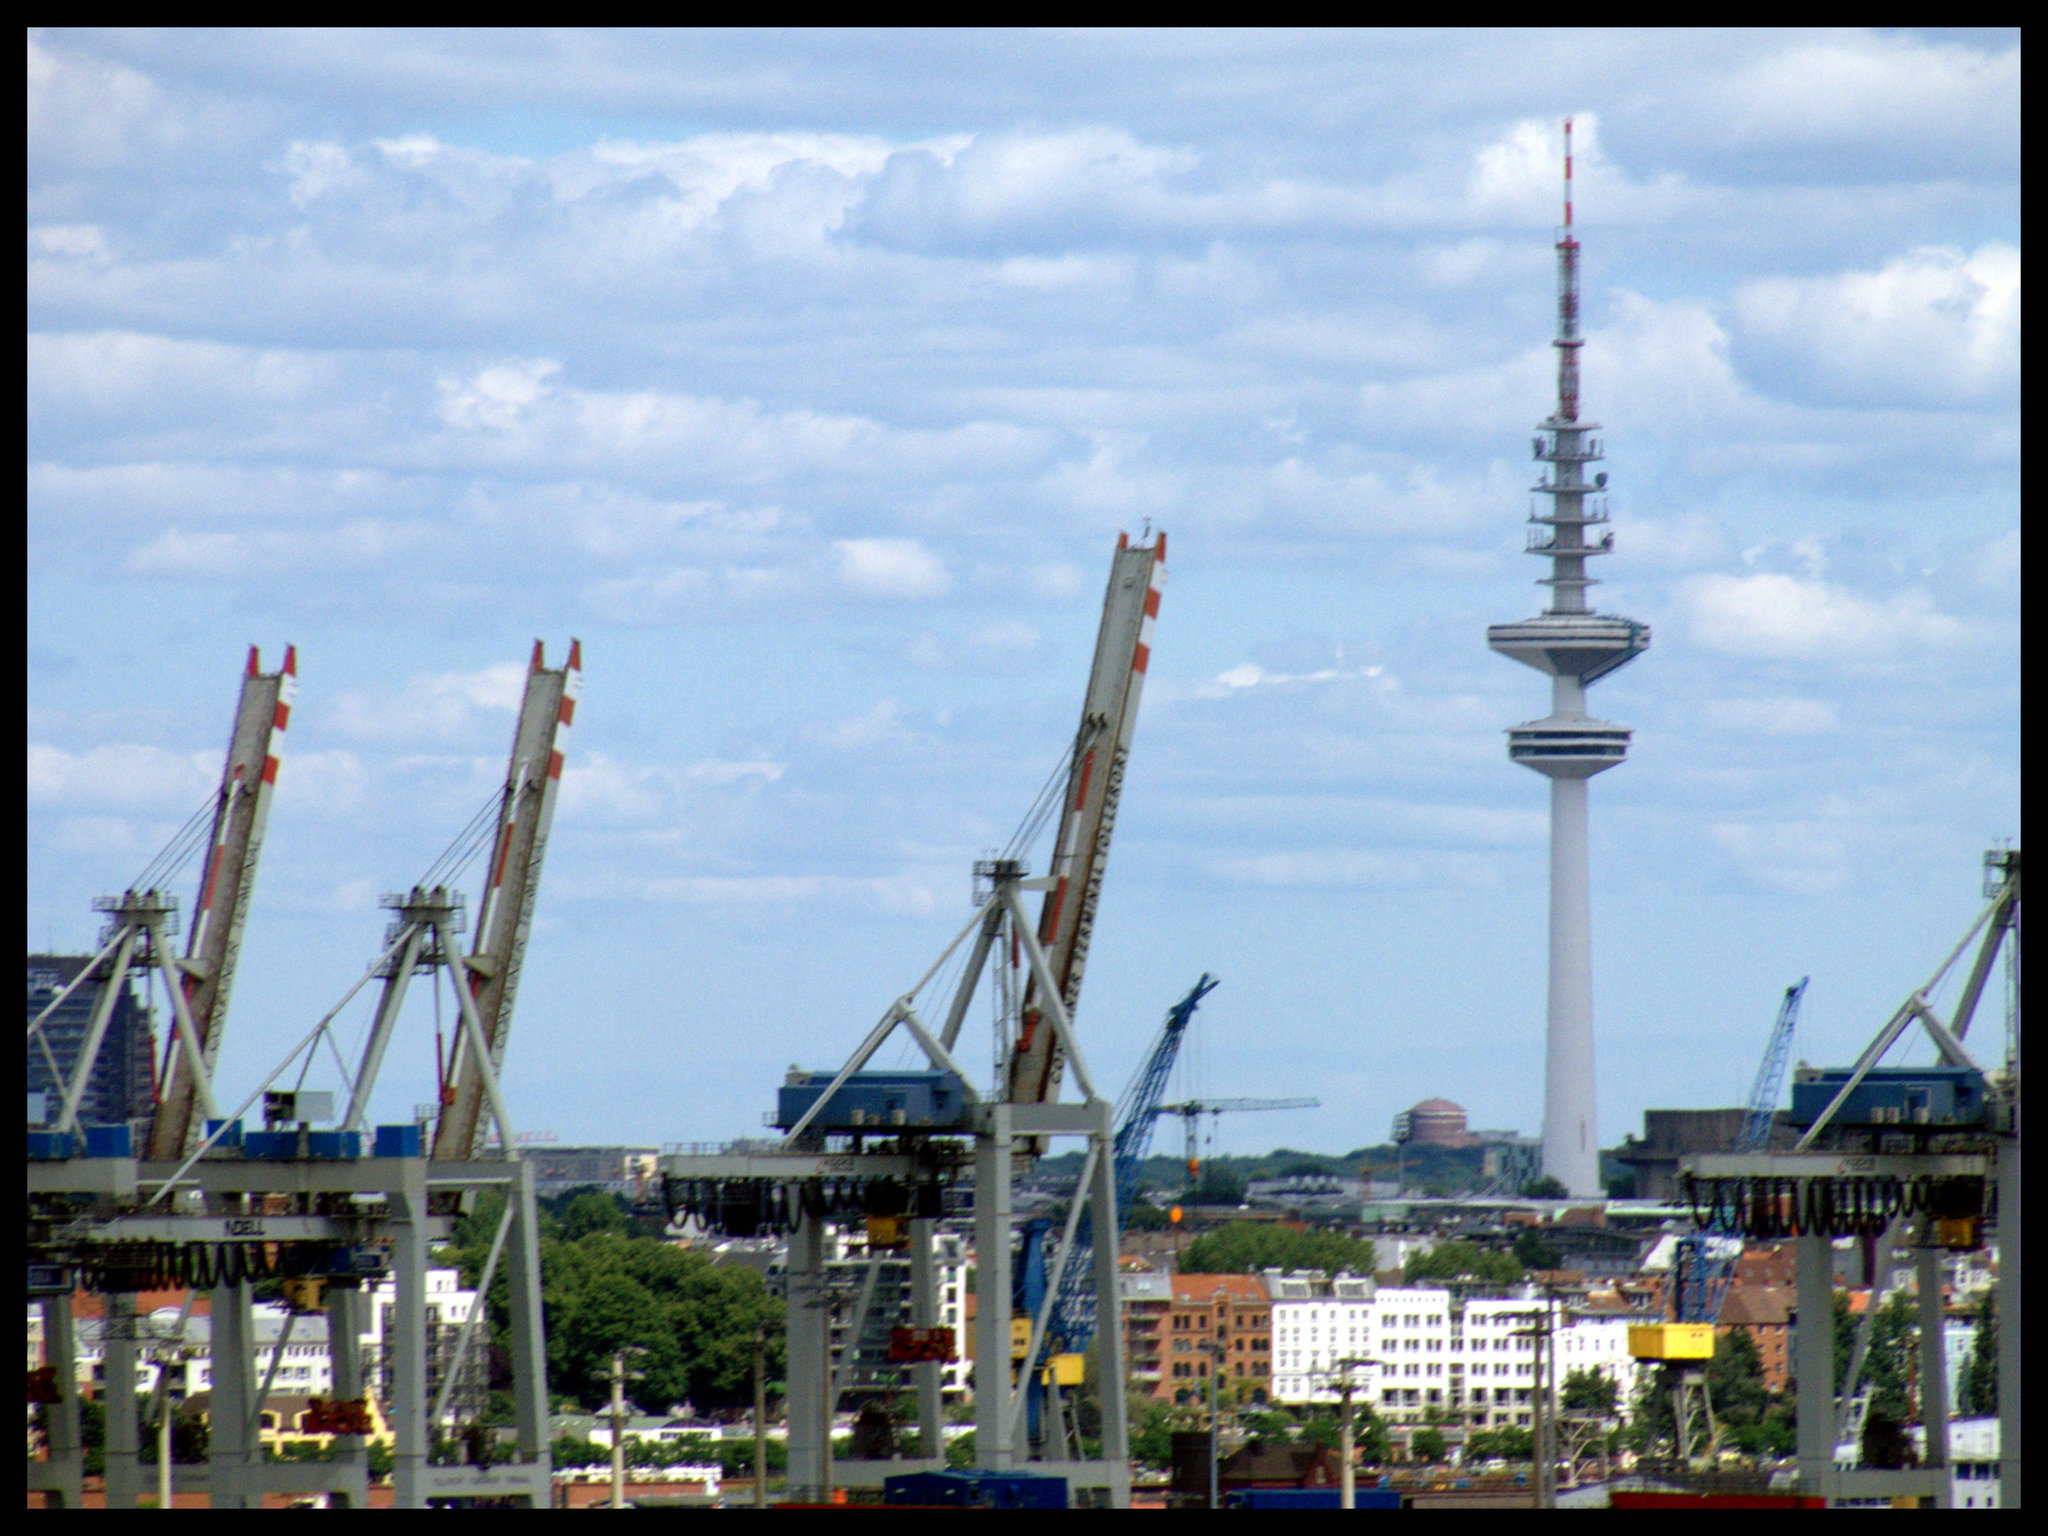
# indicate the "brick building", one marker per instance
pixel 1232 1312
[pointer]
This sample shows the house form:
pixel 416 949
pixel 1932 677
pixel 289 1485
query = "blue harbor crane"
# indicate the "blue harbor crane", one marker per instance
pixel 1704 1266
pixel 1072 1325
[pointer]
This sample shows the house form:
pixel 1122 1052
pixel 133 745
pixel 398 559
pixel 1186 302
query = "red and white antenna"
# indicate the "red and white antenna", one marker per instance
pixel 1568 342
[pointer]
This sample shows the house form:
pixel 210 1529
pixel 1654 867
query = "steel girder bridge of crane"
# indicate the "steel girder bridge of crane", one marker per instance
pixel 208 1204
pixel 1917 1161
pixel 887 1147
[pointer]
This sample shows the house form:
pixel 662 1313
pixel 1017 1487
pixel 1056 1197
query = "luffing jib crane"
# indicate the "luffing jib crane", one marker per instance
pixel 489 974
pixel 142 919
pixel 1123 650
pixel 225 883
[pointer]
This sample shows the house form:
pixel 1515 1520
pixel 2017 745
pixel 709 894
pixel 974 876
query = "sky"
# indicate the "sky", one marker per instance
pixel 809 379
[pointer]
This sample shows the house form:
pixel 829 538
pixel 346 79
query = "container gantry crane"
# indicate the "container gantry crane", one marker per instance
pixel 932 1122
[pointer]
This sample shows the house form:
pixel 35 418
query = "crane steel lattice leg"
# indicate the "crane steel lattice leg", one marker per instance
pixel 124 1427
pixel 1814 1362
pixel 1109 1329
pixel 810 1360
pixel 60 1349
pixel 529 1337
pixel 345 1350
pixel 233 1385
pixel 993 1449
pixel 924 1304
pixel 405 1341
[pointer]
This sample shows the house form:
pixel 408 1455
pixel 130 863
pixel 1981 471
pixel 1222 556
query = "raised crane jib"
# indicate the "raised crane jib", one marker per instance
pixel 1123 650
pixel 533 779
pixel 226 878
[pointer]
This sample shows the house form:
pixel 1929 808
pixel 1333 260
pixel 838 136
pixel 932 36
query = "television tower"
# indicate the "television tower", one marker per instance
pixel 1577 647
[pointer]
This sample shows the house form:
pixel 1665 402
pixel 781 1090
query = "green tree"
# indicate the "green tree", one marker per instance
pixel 1545 1188
pixel 1534 1251
pixel 1509 1443
pixel 1588 1390
pixel 1369 1434
pixel 1977 1391
pixel 1245 1247
pixel 1735 1381
pixel 1427 1444
pixel 1454 1260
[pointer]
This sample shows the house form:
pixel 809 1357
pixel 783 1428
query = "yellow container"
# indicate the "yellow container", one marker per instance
pixel 1672 1341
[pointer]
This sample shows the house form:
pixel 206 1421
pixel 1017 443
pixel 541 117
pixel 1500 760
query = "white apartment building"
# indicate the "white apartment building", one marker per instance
pixel 1424 1350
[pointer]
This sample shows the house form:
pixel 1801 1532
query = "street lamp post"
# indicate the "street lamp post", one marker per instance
pixel 1348 1483
pixel 1215 1418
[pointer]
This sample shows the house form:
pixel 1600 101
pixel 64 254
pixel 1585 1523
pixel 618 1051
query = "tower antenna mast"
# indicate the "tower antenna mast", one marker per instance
pixel 1576 647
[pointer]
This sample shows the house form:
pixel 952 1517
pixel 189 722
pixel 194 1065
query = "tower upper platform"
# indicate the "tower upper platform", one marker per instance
pixel 1586 646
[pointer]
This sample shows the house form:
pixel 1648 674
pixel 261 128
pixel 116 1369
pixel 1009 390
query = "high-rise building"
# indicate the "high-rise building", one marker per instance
pixel 121 1087
pixel 1576 647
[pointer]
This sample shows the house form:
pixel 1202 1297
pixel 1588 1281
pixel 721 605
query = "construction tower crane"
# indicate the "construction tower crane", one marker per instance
pixel 487 979
pixel 1191 1113
pixel 1109 716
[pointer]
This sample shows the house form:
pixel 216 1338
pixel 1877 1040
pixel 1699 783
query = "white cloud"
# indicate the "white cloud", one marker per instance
pixel 497 398
pixel 1250 674
pixel 1801 858
pixel 441 707
pixel 1771 717
pixel 70 242
pixel 1934 326
pixel 120 775
pixel 1771 614
pixel 889 897
pixel 891 568
pixel 1356 867
pixel 1853 88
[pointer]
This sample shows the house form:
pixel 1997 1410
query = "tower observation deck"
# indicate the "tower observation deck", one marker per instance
pixel 1576 647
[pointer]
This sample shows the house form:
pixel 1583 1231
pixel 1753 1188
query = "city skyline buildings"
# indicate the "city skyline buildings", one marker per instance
pixel 1575 646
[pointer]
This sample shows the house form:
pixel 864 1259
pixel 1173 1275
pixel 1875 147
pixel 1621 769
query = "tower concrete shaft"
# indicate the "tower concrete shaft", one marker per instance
pixel 1576 647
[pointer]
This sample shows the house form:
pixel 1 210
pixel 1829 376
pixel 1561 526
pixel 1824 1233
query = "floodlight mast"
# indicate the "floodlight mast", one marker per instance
pixel 1576 647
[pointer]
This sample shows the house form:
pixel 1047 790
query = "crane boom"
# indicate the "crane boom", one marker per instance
pixel 226 879
pixel 1770 1073
pixel 505 914
pixel 1123 649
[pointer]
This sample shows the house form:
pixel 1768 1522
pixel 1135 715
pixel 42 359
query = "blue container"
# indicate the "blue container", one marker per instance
pixel 975 1490
pixel 109 1141
pixel 334 1145
pixel 270 1146
pixel 231 1137
pixel 398 1141
pixel 1888 1096
pixel 48 1146
pixel 876 1101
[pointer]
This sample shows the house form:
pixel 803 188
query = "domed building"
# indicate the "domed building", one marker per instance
pixel 1439 1123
